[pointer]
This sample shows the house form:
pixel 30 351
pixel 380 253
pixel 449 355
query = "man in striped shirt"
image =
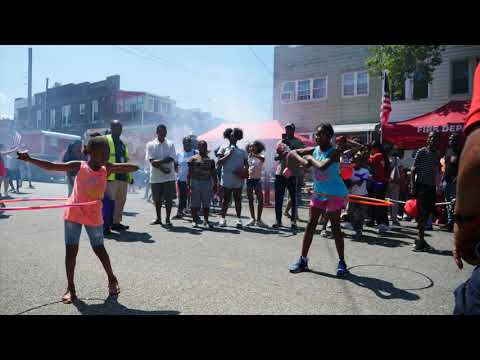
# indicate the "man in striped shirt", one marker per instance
pixel 424 174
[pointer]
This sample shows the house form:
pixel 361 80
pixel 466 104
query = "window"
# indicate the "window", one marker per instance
pixel 95 117
pixel 150 105
pixel 155 106
pixel 288 92
pixel 303 92
pixel 39 119
pixel 362 83
pixel 349 84
pixel 52 118
pixel 355 84
pixel 82 109
pixel 319 89
pixel 460 77
pixel 66 110
pixel 420 86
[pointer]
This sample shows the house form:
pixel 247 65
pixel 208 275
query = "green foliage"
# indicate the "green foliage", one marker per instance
pixel 404 61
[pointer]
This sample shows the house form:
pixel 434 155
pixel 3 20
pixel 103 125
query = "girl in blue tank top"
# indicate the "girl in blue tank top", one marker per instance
pixel 330 194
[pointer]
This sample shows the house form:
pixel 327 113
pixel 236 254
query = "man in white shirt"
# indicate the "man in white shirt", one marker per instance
pixel 161 155
pixel 182 164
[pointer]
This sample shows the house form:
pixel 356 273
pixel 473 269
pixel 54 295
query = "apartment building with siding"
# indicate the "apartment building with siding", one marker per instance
pixel 329 83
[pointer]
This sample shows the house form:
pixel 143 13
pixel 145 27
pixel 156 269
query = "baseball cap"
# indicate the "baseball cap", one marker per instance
pixel 290 125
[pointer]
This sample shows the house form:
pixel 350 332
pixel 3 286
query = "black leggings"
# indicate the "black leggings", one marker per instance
pixel 379 214
pixel 282 183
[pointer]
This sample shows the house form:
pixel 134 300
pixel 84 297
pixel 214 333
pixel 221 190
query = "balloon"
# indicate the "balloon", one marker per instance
pixel 410 208
pixel 346 171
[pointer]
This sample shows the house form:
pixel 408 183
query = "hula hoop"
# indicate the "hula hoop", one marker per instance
pixel 358 199
pixel 32 199
pixel 369 203
pixel 50 206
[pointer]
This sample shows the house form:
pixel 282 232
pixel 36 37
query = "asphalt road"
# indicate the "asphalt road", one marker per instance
pixel 220 271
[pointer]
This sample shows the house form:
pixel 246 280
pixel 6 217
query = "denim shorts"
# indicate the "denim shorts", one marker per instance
pixel 73 230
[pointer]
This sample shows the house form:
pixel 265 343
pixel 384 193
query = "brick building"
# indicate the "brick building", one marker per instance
pixel 74 108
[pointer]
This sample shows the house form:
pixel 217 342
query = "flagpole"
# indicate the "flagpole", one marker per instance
pixel 383 94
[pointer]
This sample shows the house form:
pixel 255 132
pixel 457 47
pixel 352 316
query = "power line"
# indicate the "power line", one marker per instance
pixel 260 60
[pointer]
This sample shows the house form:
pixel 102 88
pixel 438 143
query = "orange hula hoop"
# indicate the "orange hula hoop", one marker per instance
pixel 357 199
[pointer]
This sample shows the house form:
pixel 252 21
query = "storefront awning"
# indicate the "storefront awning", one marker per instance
pixel 354 128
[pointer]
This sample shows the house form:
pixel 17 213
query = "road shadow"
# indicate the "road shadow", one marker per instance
pixel 380 241
pixel 396 232
pixel 130 213
pixel 224 230
pixel 3 216
pixel 111 306
pixel 381 288
pixel 183 230
pixel 131 236
pixel 259 230
pixel 441 252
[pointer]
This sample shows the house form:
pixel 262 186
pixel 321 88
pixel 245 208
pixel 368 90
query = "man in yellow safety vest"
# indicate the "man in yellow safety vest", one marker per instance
pixel 117 186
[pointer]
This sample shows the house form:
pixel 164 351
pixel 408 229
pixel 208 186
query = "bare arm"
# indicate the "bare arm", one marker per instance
pixel 48 165
pixel 324 164
pixel 121 168
pixel 468 198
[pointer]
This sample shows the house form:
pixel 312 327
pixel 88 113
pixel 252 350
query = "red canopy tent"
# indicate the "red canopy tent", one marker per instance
pixel 270 130
pixel 412 134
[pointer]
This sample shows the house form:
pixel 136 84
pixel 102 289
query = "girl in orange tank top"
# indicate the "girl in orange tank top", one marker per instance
pixel 90 185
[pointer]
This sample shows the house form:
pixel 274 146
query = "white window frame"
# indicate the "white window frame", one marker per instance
pixel 66 115
pixel 309 90
pixel 292 94
pixel 294 97
pixel 94 102
pixel 39 119
pixel 326 87
pixel 80 108
pixel 355 84
pixel 52 118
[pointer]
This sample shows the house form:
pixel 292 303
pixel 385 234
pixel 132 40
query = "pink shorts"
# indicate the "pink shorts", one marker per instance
pixel 329 205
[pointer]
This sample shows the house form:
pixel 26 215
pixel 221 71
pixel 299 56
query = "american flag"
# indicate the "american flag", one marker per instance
pixel 386 107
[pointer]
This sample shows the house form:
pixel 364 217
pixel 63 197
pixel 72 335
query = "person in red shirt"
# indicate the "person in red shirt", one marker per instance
pixel 466 244
pixel 380 166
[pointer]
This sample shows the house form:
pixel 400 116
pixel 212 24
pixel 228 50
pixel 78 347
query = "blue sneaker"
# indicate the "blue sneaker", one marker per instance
pixel 341 268
pixel 299 266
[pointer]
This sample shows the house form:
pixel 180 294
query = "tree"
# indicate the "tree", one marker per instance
pixel 404 62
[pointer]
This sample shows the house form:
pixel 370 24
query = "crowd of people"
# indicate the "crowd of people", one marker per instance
pixel 13 172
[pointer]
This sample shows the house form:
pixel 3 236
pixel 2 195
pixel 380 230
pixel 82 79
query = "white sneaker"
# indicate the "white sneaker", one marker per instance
pixel 239 224
pixel 347 226
pixel 260 223
pixel 250 223
pixel 324 233
pixel 223 222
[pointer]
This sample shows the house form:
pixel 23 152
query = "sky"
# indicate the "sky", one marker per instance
pixel 229 81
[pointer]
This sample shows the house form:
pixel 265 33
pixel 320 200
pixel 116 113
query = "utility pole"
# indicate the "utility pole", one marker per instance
pixel 29 114
pixel 47 120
